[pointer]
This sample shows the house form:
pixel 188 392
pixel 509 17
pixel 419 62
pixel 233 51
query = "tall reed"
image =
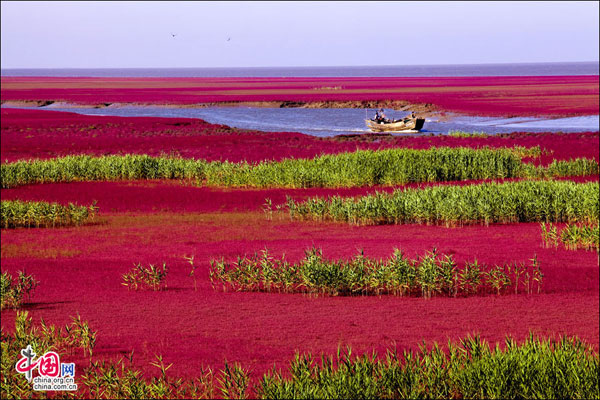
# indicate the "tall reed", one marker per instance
pixel 359 168
pixel 15 290
pixel 463 134
pixel 430 275
pixel 41 214
pixel 509 202
pixel 553 368
pixel 104 168
pixel 572 236
pixel 142 278
pixel 106 379
pixel 538 368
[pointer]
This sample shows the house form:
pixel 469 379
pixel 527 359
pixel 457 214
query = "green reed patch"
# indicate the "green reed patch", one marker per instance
pixel 577 167
pixel 76 335
pixel 550 369
pixel 572 236
pixel 509 202
pixel 102 379
pixel 430 275
pixel 367 168
pixel 40 214
pixel 359 168
pixel 104 168
pixel 141 278
pixel 121 380
pixel 470 368
pixel 13 290
pixel 463 134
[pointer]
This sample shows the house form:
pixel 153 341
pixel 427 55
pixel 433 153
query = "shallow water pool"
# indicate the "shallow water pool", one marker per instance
pixel 336 121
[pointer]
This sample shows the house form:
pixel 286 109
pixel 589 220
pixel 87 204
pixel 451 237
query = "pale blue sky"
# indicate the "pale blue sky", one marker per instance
pixel 138 34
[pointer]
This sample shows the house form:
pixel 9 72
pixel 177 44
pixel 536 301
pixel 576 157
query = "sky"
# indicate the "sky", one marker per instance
pixel 278 34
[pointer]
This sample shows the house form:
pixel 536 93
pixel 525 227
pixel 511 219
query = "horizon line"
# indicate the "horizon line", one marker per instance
pixel 314 66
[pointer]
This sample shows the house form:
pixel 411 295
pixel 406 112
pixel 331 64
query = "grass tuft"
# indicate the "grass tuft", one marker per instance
pixel 430 275
pixel 41 214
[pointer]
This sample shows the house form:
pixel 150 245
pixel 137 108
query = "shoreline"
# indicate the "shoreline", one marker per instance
pixel 31 133
pixel 426 110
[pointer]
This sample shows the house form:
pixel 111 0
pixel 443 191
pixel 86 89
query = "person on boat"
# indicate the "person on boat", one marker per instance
pixel 377 117
pixel 411 117
pixel 380 116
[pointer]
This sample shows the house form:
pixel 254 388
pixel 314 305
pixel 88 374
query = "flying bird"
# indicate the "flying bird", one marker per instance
pixel 173 34
pixel 228 39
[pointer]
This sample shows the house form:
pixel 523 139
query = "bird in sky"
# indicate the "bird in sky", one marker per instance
pixel 173 34
pixel 228 39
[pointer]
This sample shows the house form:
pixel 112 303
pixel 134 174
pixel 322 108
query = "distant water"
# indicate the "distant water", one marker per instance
pixel 336 121
pixel 524 69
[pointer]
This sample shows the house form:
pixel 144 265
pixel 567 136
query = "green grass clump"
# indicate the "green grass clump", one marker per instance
pixel 577 167
pixel 367 168
pixel 359 168
pixel 463 134
pixel 547 369
pixel 105 168
pixel 140 277
pixel 121 380
pixel 102 379
pixel 572 236
pixel 538 368
pixel 430 275
pixel 509 202
pixel 76 335
pixel 40 214
pixel 14 290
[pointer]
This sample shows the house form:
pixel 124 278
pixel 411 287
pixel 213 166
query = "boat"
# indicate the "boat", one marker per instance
pixel 401 125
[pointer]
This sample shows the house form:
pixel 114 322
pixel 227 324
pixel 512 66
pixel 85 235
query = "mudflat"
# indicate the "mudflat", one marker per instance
pixel 486 96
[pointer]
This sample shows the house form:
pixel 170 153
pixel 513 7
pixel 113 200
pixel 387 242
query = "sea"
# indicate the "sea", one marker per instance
pixel 506 69
pixel 332 122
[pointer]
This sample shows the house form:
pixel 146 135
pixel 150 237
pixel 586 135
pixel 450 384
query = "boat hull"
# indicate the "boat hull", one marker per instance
pixel 413 125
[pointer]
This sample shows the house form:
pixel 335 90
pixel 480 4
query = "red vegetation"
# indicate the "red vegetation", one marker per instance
pixel 504 95
pixel 80 272
pixel 46 134
pixel 80 269
pixel 173 196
